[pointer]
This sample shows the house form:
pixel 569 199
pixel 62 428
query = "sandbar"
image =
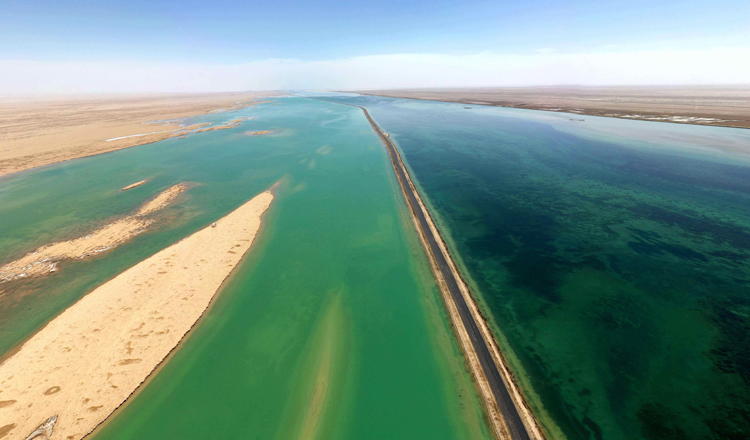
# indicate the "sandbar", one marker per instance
pixel 44 260
pixel 87 361
pixel 133 185
pixel 231 124
pixel 257 133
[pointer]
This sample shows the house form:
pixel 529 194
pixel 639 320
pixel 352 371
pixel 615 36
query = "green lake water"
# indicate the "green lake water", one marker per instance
pixel 612 256
pixel 331 327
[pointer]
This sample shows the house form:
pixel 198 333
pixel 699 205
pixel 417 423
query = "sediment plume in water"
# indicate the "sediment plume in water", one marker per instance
pixel 86 362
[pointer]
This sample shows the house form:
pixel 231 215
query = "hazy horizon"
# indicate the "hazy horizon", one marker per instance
pixel 139 47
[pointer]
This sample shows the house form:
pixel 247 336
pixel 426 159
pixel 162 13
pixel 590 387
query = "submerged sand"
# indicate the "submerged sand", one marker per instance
pixel 45 259
pixel 231 124
pixel 92 357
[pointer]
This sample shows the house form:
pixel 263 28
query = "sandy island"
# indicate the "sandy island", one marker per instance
pixel 133 185
pixel 40 132
pixel 231 124
pixel 257 133
pixel 92 357
pixel 44 260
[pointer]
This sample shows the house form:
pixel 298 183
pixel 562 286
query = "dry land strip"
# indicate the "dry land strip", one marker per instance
pixel 134 185
pixel 71 375
pixel 727 106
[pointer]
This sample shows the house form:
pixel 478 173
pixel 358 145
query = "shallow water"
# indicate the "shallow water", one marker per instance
pixel 332 326
pixel 612 256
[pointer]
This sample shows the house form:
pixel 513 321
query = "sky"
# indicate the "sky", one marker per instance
pixel 195 46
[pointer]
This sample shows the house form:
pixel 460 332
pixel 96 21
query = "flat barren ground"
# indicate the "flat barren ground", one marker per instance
pixel 727 106
pixel 36 132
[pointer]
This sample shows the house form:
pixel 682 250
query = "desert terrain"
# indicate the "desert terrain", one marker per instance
pixel 36 132
pixel 727 106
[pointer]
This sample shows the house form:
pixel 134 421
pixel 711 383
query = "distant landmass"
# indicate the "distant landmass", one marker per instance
pixel 727 106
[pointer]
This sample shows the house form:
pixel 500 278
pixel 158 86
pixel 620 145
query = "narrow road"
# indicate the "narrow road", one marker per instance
pixel 516 428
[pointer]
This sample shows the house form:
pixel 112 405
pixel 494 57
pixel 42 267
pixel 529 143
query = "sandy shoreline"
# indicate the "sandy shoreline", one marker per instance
pixel 34 133
pixel 87 361
pixel 725 106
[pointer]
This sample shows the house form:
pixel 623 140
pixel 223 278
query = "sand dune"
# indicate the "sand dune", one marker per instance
pixel 87 361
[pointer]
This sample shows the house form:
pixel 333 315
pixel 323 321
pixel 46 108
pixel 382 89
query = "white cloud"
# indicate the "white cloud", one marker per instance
pixel 715 66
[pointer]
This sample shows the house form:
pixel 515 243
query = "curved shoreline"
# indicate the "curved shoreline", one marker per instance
pixel 509 412
pixel 87 362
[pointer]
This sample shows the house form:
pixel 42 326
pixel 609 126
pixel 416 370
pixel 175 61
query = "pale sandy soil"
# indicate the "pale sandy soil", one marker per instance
pixel 704 105
pixel 87 361
pixel 133 185
pixel 45 259
pixel 40 132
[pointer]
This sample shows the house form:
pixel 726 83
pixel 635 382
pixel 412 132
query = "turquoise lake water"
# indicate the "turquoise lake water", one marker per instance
pixel 331 327
pixel 611 255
